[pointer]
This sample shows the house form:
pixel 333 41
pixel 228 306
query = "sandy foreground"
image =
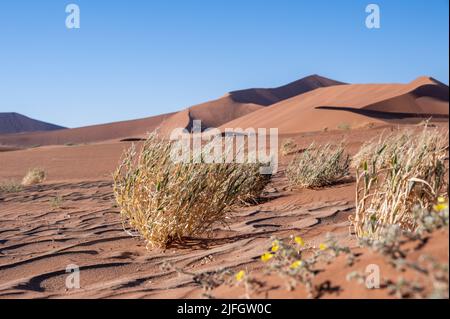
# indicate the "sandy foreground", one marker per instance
pixel 39 239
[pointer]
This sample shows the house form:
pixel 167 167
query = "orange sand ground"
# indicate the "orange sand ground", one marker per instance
pixel 38 241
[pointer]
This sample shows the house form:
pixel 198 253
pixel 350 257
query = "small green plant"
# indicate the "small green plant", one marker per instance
pixel 296 261
pixel 400 288
pixel 34 176
pixel 331 249
pixel 390 244
pixel 289 262
pixel 403 288
pixel 433 273
pixel 394 244
pixel 438 275
pixel 318 166
pixel 429 220
pixel 251 284
pixel 210 280
pixel 392 238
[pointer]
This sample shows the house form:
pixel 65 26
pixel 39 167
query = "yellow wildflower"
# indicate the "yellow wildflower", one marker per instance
pixel 296 264
pixel 299 241
pixel 275 246
pixel 266 257
pixel 442 204
pixel 323 246
pixel 240 275
pixel 440 207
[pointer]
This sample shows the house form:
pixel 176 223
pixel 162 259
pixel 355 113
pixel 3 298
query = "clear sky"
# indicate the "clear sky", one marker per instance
pixel 136 58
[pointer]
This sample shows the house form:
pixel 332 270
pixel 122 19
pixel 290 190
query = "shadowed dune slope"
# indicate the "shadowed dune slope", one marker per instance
pixel 17 123
pixel 211 114
pixel 88 134
pixel 240 103
pixel 353 105
pixel 268 97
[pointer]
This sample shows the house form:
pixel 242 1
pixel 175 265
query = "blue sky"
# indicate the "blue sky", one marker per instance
pixel 137 58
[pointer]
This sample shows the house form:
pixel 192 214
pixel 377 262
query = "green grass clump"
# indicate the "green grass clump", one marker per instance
pixel 318 166
pixel 165 201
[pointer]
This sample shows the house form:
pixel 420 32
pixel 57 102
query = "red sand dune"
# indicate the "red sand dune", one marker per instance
pixel 313 103
pixel 88 134
pixel 239 103
pixel 352 105
pixel 212 114
pixel 17 123
pixel 268 97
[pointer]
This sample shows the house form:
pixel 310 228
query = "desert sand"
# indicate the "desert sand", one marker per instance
pixel 39 239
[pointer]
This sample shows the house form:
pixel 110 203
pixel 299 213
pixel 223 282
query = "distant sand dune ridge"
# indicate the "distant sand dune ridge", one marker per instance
pixel 313 103
pixel 353 105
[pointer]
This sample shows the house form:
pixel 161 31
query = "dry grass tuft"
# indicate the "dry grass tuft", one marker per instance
pixel 165 202
pixel 56 202
pixel 33 177
pixel 344 126
pixel 10 187
pixel 288 147
pixel 397 175
pixel 318 166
